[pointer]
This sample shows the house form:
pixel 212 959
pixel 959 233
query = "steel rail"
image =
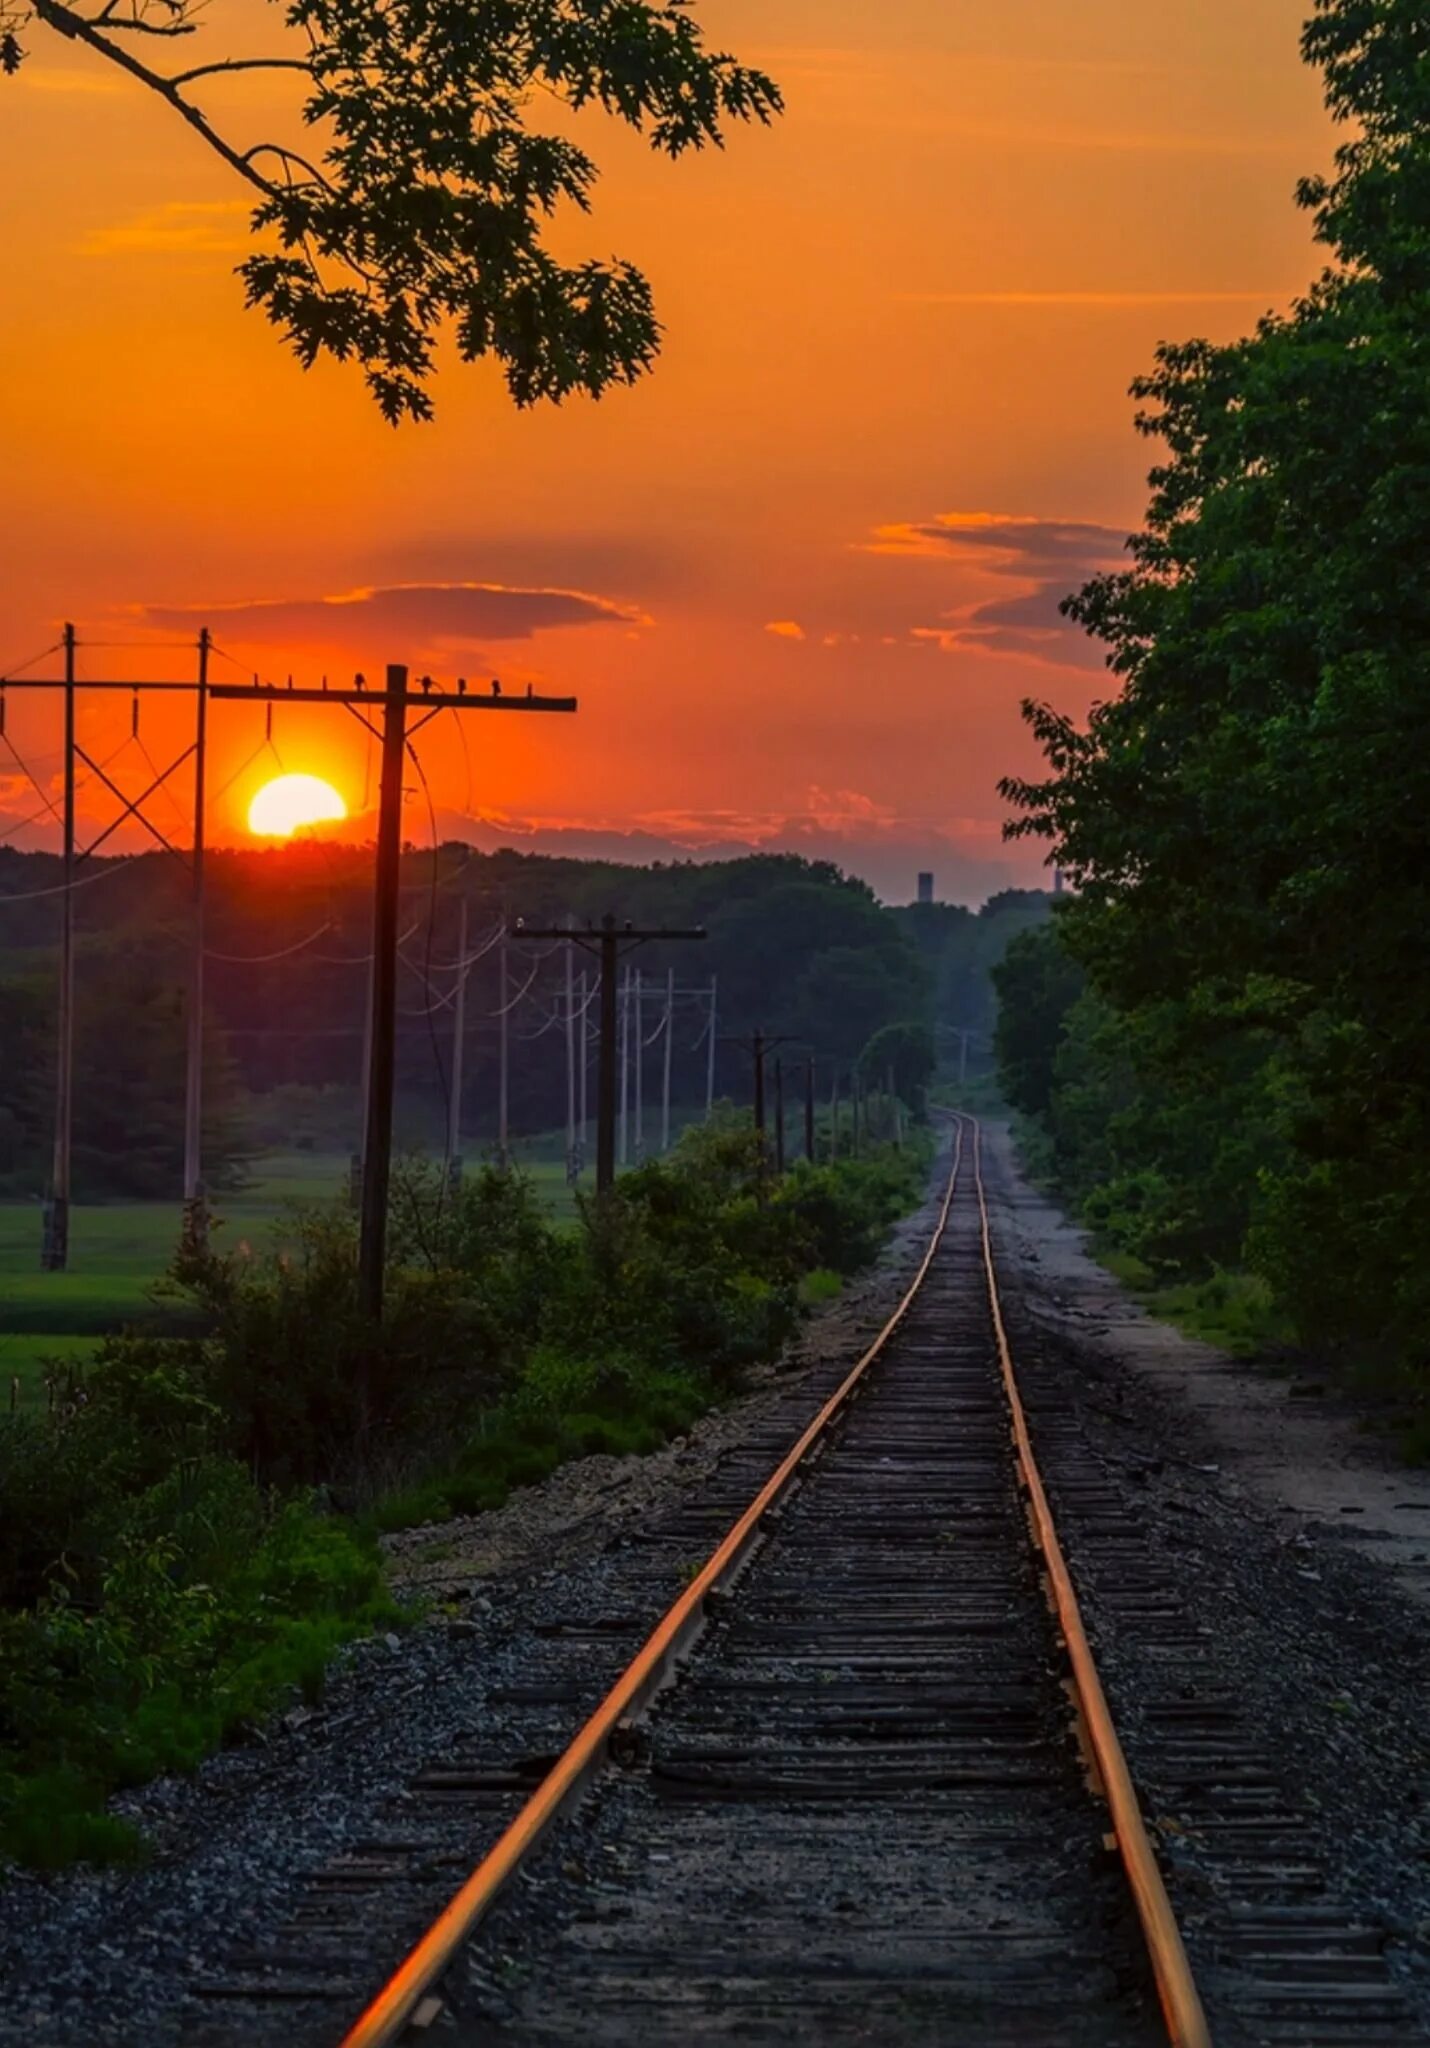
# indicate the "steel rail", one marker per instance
pixel 385 2018
pixel 1181 2006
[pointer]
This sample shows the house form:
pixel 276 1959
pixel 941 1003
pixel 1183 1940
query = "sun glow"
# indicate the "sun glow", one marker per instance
pixel 288 803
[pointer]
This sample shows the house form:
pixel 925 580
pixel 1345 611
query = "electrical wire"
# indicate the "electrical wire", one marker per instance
pixel 261 959
pixel 18 669
pixel 113 867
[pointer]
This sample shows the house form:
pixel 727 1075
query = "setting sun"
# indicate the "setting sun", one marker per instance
pixel 283 806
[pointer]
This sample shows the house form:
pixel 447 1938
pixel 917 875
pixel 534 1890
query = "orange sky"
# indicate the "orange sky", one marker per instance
pixel 800 576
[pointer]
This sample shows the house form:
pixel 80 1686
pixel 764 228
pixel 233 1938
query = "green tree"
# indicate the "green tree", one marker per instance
pixel 1246 820
pixel 424 199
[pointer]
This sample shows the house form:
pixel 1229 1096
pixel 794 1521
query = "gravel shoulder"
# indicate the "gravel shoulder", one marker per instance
pixel 1286 1440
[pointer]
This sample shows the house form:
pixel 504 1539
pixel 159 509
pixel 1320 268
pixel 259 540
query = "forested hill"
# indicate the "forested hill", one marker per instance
pixel 795 947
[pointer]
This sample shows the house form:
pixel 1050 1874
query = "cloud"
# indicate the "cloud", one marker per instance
pixel 401 618
pixel 785 629
pixel 78 84
pixel 1105 300
pixel 215 227
pixel 1044 558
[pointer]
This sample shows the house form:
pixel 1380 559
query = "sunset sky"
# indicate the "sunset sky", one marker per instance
pixel 800 576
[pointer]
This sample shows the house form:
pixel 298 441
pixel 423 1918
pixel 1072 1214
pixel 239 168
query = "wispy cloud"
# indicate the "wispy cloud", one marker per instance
pixel 785 629
pixel 1043 558
pixel 78 84
pixel 1104 300
pixel 181 228
pixel 404 617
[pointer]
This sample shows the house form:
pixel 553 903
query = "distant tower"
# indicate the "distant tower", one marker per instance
pixel 926 888
pixel 1057 881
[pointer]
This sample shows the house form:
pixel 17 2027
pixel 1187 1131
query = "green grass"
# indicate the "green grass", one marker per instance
pixel 1233 1311
pixel 118 1250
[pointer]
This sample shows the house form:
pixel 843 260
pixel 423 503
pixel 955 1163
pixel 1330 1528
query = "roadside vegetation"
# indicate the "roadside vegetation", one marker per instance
pixel 191 1531
pixel 1222 1037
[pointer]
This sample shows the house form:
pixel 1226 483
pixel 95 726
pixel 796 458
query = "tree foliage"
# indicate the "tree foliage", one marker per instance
pixel 425 199
pixel 1246 821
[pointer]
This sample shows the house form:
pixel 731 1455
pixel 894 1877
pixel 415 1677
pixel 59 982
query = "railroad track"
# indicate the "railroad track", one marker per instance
pixel 860 1783
pixel 863 1806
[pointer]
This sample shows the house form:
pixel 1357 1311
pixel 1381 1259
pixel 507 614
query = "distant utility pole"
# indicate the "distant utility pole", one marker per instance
pixel 608 942
pixel 625 1065
pixel 710 1057
pixel 585 1065
pixel 809 1109
pixel 572 1162
pixel 638 1048
pixel 669 1047
pixel 503 1060
pixel 396 733
pixel 758 1046
pixel 459 1041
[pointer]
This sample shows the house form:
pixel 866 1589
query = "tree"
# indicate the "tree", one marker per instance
pixel 1248 820
pixel 425 201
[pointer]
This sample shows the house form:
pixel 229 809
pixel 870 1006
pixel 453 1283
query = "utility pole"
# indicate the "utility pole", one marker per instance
pixel 382 1073
pixel 834 1118
pixel 572 1166
pixel 54 1256
pixel 459 1043
pixel 710 1058
pixel 608 941
pixel 638 1049
pixel 397 733
pixel 625 1065
pixel 503 1060
pixel 779 1119
pixel 585 1065
pixel 54 1249
pixel 195 1208
pixel 809 1109
pixel 364 1085
pixel 669 1047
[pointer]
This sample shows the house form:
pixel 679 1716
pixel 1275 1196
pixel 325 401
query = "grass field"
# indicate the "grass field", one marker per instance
pixel 119 1250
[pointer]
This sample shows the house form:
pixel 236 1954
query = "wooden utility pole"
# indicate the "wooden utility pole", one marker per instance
pixel 608 942
pixel 638 1051
pixel 54 1254
pixel 585 1065
pixel 625 1066
pixel 572 1168
pixel 669 1049
pixel 397 732
pixel 503 1061
pixel 382 1073
pixel 459 1046
pixel 710 1058
pixel 195 1208
pixel 54 1247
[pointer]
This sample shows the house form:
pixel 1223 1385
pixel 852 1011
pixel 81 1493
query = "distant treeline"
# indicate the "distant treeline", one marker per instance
pixel 796 947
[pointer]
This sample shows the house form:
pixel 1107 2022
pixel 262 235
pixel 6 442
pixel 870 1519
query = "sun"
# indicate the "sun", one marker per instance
pixel 283 806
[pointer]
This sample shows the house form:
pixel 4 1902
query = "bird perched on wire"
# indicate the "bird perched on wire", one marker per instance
pixel 496 687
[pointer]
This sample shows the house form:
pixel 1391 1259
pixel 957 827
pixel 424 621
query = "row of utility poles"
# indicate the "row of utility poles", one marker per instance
pixel 394 716
pixel 388 715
